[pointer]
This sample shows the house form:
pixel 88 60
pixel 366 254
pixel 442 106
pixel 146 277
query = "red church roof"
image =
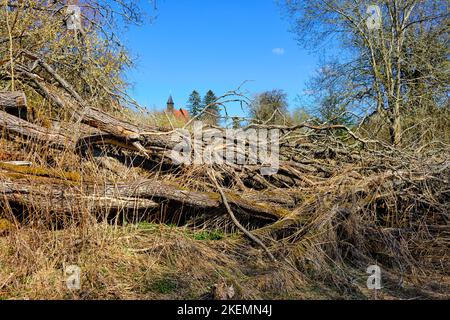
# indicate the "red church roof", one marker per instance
pixel 182 114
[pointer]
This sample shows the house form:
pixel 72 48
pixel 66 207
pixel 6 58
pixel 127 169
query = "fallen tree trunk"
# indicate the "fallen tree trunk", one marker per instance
pixel 57 200
pixel 61 139
pixel 18 127
pixel 13 100
pixel 15 126
pixel 14 103
pixel 63 196
pixel 88 115
pixel 119 132
pixel 200 200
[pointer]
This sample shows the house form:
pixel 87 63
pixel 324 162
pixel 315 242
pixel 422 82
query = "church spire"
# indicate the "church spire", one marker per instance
pixel 170 104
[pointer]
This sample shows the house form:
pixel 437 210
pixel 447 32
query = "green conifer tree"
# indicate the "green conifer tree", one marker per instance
pixel 211 115
pixel 195 103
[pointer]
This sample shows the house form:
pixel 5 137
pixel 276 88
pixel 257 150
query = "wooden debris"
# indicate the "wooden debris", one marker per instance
pixel 18 163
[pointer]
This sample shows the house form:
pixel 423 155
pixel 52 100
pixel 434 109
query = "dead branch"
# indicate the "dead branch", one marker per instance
pixel 236 221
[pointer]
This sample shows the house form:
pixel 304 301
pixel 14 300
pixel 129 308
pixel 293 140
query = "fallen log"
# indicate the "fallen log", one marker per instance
pixel 18 127
pixel 116 131
pixel 12 100
pixel 14 103
pixel 58 139
pixel 59 199
pixel 50 194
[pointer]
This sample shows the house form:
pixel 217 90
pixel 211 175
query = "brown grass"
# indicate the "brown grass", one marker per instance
pixel 388 211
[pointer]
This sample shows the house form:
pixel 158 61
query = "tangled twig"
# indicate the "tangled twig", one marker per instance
pixel 236 222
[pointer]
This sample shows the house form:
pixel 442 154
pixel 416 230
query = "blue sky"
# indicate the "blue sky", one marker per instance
pixel 215 44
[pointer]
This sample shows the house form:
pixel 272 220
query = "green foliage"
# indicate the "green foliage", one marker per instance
pixel 209 98
pixel 208 235
pixel 300 115
pixel 211 115
pixel 270 107
pixel 332 111
pixel 148 226
pixel 152 226
pixel 236 123
pixel 91 60
pixel 195 103
pixel 164 285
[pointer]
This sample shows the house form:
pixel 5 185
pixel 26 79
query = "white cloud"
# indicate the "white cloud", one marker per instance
pixel 278 51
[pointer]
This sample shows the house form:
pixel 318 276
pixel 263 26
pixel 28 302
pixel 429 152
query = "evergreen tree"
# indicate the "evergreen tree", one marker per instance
pixel 211 115
pixel 195 103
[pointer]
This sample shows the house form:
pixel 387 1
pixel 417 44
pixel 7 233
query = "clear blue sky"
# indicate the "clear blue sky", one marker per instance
pixel 215 44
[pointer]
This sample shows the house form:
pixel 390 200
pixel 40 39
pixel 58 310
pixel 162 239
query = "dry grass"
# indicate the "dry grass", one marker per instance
pixel 341 224
pixel 163 262
pixel 343 202
pixel 144 262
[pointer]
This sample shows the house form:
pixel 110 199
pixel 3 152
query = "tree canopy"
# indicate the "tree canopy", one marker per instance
pixel 396 65
pixel 270 107
pixel 211 115
pixel 195 103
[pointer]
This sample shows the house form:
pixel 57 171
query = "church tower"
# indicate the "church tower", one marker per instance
pixel 170 105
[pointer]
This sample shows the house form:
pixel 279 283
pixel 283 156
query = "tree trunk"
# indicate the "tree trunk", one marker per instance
pixel 14 103
pixel 16 99
pixel 18 127
pixel 52 196
pixel 396 127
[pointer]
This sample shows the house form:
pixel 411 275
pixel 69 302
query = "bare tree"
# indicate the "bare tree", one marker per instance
pixel 331 99
pixel 385 46
pixel 270 107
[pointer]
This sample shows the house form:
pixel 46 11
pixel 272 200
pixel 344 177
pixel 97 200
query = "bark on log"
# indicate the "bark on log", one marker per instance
pixel 14 103
pixel 86 114
pixel 62 139
pixel 13 100
pixel 18 127
pixel 48 194
pixel 60 199
pixel 124 134
pixel 91 116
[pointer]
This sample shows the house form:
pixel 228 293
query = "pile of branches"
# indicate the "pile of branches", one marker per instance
pixel 336 198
